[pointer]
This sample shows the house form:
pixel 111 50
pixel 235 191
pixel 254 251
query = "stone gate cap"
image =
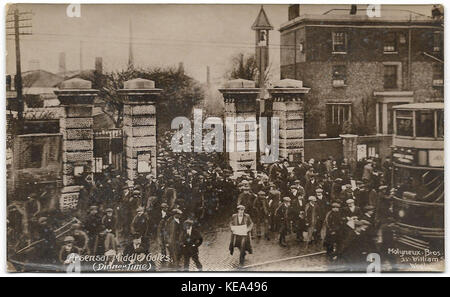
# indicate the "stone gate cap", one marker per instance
pixel 75 84
pixel 288 83
pixel 239 83
pixel 139 84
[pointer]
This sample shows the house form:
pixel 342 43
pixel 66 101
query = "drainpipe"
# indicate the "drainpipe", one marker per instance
pixel 295 54
pixel 409 59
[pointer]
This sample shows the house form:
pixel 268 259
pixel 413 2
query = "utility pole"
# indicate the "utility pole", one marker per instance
pixel 18 18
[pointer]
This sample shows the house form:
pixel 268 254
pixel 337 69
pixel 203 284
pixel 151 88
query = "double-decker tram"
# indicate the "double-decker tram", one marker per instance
pixel 418 156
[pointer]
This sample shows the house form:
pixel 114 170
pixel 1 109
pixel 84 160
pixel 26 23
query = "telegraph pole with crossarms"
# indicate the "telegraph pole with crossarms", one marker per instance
pixel 17 21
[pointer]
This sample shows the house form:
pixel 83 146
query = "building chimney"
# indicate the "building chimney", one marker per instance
pixel 294 11
pixel 437 12
pixel 181 68
pixel 99 65
pixel 208 76
pixel 62 64
pixel 353 9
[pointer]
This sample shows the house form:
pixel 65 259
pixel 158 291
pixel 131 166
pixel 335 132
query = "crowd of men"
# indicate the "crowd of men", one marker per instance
pixel 344 207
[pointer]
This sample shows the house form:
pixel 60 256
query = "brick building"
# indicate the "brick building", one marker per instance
pixel 358 67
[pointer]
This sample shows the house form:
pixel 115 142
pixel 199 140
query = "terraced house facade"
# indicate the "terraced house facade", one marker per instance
pixel 358 66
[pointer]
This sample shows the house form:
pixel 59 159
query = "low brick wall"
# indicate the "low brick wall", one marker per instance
pixel 381 143
pixel 322 148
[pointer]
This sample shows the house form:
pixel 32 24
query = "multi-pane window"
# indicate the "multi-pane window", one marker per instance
pixel 338 113
pixel 438 74
pixel 404 123
pixel 390 42
pixel 339 42
pixel 425 123
pixel 390 76
pixel 339 75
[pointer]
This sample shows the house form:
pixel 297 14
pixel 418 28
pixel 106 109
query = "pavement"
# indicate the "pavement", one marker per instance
pixel 267 255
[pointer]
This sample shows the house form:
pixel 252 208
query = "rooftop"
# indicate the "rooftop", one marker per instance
pixel 429 105
pixel 388 17
pixel 262 21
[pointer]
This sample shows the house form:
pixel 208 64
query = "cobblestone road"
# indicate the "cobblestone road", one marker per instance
pixel 215 256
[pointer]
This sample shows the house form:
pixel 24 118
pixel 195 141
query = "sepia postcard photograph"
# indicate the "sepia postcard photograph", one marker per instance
pixel 147 138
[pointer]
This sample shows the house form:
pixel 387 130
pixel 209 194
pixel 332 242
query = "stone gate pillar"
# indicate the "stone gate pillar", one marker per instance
pixel 240 124
pixel 287 96
pixel 76 97
pixel 139 126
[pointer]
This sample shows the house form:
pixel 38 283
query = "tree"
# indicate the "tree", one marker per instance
pixel 363 118
pixel 243 67
pixel 179 92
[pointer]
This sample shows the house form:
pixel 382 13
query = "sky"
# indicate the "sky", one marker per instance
pixel 162 35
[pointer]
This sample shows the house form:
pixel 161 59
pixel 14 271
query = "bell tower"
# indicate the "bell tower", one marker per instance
pixel 262 27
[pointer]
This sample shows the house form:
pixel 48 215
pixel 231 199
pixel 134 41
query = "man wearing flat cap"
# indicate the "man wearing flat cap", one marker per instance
pixel 261 211
pixel 351 210
pixel 312 216
pixel 172 232
pixel 246 197
pixel 109 221
pixel 93 225
pixel 331 230
pixel 283 219
pixel 241 239
pixel 81 239
pixel 190 240
pixel 67 249
pixel 139 225
pixel 274 203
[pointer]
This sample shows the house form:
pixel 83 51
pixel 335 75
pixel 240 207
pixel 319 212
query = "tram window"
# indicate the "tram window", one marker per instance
pixel 440 123
pixel 404 123
pixel 425 123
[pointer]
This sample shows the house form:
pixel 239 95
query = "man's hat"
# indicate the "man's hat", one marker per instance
pixel 286 199
pixel 338 180
pixel 349 201
pixel 177 211
pixel 297 181
pixel 319 190
pixel 109 209
pixel 164 205
pixel 240 206
pixel 140 208
pixel 294 186
pixel 335 205
pixel 93 207
pixel 369 207
pixel 189 221
pixel 363 222
pixel 42 220
pixel 312 198
pixel 382 188
pixel 261 193
pixel 69 239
